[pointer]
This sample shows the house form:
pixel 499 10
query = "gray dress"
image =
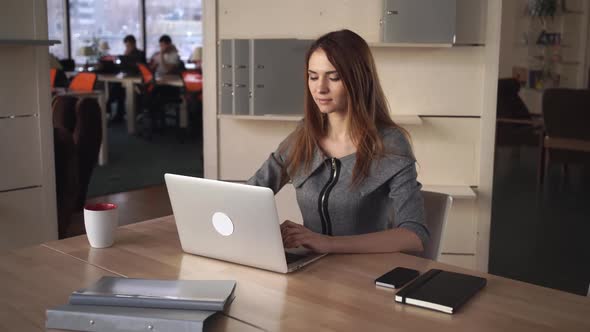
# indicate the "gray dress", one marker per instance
pixel 389 197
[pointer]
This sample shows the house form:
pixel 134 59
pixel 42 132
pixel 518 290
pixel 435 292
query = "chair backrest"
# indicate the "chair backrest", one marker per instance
pixel 64 112
pixel 147 76
pixel 437 207
pixel 52 74
pixel 83 82
pixel 87 136
pixel 510 105
pixel 193 81
pixel 566 113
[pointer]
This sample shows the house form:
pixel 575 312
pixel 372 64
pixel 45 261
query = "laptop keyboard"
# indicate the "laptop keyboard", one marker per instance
pixel 293 257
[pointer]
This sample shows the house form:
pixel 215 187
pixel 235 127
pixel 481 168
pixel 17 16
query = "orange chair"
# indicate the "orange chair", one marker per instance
pixel 52 74
pixel 147 77
pixel 193 88
pixel 153 100
pixel 193 81
pixel 83 82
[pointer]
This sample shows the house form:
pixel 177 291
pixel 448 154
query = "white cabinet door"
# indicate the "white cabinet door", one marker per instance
pixel 19 80
pixel 20 154
pixel 22 221
pixel 419 21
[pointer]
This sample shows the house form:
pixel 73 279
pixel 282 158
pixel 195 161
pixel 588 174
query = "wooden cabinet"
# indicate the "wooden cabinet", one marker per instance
pixel 22 219
pixel 27 178
pixel 433 22
pixel 261 77
pixel 21 153
pixel 419 21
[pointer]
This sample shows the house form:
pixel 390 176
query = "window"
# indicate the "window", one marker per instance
pixel 180 19
pixel 95 24
pixel 56 28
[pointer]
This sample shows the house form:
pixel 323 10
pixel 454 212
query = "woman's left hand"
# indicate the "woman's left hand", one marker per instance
pixel 296 235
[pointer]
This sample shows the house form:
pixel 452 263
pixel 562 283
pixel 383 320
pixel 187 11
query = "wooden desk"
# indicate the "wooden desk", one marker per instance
pixel 35 279
pixel 127 83
pixel 334 293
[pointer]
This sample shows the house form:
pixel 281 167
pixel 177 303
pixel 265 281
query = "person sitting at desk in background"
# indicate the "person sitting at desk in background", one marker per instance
pixel 167 60
pixel 352 167
pixel 196 57
pixel 117 92
pixel 131 50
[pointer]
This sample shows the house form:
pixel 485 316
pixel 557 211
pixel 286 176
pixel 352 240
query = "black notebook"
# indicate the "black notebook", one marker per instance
pixel 440 290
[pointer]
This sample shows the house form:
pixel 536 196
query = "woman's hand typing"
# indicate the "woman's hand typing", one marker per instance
pixel 296 235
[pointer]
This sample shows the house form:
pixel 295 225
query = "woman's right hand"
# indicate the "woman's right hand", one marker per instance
pixel 296 235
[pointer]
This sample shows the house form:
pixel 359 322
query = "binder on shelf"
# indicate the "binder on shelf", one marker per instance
pixel 441 290
pixel 124 319
pixel 213 295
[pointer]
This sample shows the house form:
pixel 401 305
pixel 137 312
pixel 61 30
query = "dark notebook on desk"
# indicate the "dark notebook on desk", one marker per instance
pixel 440 290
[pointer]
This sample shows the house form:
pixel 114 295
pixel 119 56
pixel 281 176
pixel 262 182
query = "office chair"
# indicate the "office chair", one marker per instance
pixel 193 88
pixel 83 82
pixel 57 78
pixel 154 100
pixel 77 139
pixel 437 207
pixel 52 74
pixel 567 138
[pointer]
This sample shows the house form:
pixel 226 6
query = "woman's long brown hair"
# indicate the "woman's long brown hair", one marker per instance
pixel 367 107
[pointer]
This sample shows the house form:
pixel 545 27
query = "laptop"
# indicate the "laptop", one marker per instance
pixel 128 65
pixel 232 222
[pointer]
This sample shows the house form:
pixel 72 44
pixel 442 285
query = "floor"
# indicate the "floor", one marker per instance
pixel 133 206
pixel 540 238
pixel 136 162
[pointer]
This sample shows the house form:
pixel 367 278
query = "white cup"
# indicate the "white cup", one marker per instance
pixel 100 221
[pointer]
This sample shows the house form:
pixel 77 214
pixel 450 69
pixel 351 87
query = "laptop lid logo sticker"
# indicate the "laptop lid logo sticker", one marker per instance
pixel 222 224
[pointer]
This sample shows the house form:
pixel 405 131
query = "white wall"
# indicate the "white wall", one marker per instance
pixel 449 87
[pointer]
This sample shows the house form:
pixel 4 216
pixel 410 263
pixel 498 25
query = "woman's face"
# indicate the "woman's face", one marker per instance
pixel 325 84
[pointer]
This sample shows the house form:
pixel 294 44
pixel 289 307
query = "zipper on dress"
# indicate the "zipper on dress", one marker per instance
pixel 325 194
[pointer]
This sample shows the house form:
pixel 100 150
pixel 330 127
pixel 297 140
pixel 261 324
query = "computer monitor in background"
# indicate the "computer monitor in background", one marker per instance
pixel 128 65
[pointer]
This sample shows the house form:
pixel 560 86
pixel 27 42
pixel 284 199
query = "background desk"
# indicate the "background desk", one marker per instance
pixel 334 293
pixel 128 81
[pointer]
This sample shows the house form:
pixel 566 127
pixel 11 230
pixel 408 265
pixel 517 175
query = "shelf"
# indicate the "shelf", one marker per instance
pixel 559 62
pixel 568 63
pixel 557 14
pixel 29 42
pixel 571 12
pixel 532 90
pixel 420 45
pixel 457 192
pixel 399 119
pixel 269 117
pixel 522 45
pixel 407 119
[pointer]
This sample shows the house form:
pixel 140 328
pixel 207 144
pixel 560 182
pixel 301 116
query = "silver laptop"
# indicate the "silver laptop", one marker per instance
pixel 232 222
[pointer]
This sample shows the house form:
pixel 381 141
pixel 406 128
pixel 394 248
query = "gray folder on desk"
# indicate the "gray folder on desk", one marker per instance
pixel 211 295
pixel 124 319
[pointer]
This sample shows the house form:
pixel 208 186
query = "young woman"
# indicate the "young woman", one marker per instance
pixel 352 167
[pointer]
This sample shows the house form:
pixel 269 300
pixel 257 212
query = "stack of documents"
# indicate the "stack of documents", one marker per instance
pixel 124 304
